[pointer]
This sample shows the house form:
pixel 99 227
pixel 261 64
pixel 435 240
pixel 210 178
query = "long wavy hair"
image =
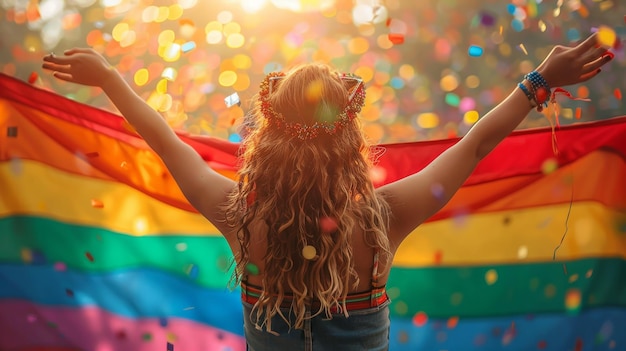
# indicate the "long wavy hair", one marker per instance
pixel 290 184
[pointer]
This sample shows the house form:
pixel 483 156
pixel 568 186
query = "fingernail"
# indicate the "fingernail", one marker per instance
pixel 609 56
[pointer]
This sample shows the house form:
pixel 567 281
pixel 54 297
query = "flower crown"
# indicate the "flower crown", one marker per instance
pixel 356 99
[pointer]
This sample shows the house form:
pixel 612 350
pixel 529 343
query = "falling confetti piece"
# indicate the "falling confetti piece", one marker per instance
pixel 171 337
pixel 573 301
pixel 27 255
pixel 523 48
pixel 452 322
pixel 252 269
pixel 31 318
pixel 170 346
pixel 180 247
pixel 120 334
pixel 542 345
pixel 92 154
pixel 188 46
pixel 12 132
pixel 548 166
pixel 491 276
pixel 438 257
pixel 420 319
pixel 192 271
pixel 146 336
pixel 163 322
pixel 32 78
pixel 89 256
pixel 60 266
pixel 606 36
pixel 579 345
pixel 475 51
pixel 396 38
pixel 617 93
pixel 96 203
pixel 309 252
pixel 69 292
pixel 328 224
pixel 232 100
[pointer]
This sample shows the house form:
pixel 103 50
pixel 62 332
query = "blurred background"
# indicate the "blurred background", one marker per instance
pixel 432 67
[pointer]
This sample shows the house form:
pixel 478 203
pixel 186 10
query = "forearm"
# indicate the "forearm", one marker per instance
pixel 147 122
pixel 498 123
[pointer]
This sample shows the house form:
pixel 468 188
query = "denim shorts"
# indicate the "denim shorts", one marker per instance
pixel 363 329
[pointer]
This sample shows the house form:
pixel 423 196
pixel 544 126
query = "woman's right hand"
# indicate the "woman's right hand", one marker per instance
pixel 81 66
pixel 572 65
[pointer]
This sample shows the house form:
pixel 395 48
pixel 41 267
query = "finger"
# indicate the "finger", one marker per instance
pixel 77 51
pixel 59 60
pixel 54 67
pixel 589 43
pixel 589 75
pixel 593 54
pixel 63 76
pixel 594 65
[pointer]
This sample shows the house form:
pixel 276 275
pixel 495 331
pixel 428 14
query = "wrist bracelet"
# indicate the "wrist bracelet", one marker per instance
pixel 529 95
pixel 541 89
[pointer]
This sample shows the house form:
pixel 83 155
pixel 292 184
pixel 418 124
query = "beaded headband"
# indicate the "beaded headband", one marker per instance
pixel 356 99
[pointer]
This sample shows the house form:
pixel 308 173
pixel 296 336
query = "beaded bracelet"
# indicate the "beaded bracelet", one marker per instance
pixel 541 89
pixel 529 95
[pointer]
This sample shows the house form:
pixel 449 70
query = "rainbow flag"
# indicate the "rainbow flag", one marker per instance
pixel 100 251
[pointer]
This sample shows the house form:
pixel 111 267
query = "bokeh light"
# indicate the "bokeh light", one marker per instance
pixel 431 68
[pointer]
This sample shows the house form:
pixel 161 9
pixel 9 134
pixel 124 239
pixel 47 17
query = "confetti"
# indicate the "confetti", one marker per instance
pixel 475 51
pixel 252 269
pixel 192 271
pixel 60 267
pixel 452 322
pixel 92 154
pixel 188 46
pixel 491 277
pixel 396 38
pixel 328 224
pixel 89 256
pixel 606 36
pixel 420 319
pixel 548 166
pixel 309 252
pixel 573 301
pixel 69 292
pixel 32 78
pixel 617 93
pixel 12 132
pixel 170 346
pixel 97 203
pixel 232 100
pixel 438 257
pixel 523 48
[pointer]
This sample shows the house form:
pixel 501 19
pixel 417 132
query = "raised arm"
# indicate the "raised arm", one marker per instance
pixel 412 200
pixel 204 188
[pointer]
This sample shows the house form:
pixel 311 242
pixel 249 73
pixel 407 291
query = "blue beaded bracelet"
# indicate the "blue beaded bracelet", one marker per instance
pixel 531 98
pixel 538 82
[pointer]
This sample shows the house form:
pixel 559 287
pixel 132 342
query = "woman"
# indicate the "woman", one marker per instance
pixel 312 238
